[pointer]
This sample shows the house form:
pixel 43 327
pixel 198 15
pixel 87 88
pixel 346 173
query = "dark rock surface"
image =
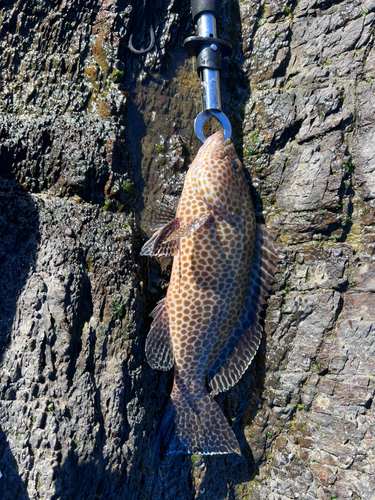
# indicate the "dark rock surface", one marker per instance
pixel 90 134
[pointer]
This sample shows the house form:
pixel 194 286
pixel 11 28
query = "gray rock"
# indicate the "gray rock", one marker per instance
pixel 92 137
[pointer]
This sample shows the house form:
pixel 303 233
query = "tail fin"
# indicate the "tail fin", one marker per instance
pixel 195 426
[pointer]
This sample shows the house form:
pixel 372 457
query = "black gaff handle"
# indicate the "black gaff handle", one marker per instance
pixel 206 47
pixel 199 7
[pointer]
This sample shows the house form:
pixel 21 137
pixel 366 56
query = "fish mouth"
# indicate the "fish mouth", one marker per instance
pixel 217 137
pixel 217 146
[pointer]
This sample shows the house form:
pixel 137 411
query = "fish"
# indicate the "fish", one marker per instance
pixel 207 327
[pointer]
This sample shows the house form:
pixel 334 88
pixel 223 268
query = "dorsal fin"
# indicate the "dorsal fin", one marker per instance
pixel 159 348
pixel 241 346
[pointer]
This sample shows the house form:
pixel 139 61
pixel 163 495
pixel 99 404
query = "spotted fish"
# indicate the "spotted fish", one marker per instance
pixel 207 326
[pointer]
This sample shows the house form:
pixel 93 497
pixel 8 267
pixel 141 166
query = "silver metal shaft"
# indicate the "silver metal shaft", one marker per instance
pixel 206 25
pixel 210 84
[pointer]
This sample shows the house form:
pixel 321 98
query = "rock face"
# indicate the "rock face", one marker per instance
pixel 89 132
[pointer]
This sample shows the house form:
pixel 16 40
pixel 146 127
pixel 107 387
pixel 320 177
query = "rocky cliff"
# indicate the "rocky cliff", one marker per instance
pixel 90 135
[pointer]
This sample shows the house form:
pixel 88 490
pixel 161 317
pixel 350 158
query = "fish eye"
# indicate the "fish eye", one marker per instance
pixel 237 164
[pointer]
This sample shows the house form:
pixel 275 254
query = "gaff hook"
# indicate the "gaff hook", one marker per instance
pixel 142 51
pixel 219 115
pixel 208 51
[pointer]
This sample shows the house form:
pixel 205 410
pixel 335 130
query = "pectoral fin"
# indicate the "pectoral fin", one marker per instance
pixel 190 227
pixel 242 345
pixel 164 241
pixel 156 246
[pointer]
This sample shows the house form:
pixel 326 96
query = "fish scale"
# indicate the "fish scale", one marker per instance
pixel 207 326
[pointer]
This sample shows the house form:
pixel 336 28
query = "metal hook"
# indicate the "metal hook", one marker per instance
pixel 142 51
pixel 219 115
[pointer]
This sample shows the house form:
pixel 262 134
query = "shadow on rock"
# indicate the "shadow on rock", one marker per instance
pixel 19 239
pixel 11 485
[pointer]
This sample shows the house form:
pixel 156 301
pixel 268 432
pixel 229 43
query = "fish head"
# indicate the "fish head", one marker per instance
pixel 217 176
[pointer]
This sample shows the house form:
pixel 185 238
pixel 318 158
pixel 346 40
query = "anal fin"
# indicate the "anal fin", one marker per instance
pixel 243 343
pixel 159 348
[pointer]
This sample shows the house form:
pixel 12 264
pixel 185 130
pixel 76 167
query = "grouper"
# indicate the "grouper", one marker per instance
pixel 207 326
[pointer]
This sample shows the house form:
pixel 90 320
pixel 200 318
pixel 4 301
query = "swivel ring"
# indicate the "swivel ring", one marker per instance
pixel 142 51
